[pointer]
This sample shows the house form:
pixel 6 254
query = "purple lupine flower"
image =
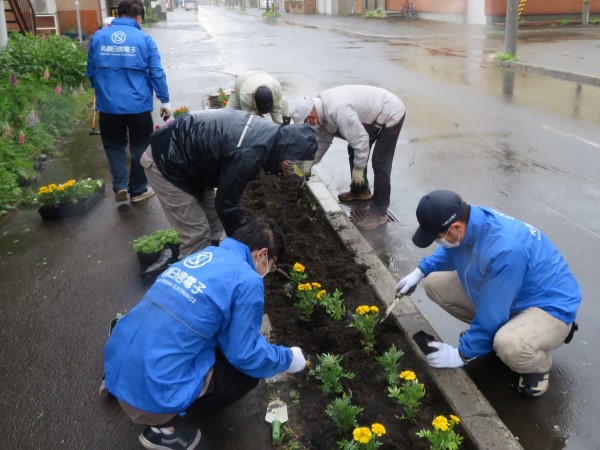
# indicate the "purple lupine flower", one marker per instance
pixel 21 137
pixel 13 80
pixel 57 89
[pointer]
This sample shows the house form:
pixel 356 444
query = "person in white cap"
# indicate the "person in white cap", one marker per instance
pixel 259 93
pixel 501 276
pixel 366 117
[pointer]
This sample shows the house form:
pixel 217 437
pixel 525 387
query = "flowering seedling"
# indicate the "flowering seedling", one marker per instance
pixel 68 192
pixel 364 320
pixel 330 373
pixel 443 436
pixel 223 97
pixel 308 294
pixel 389 362
pixel 364 438
pixel 343 413
pixel 180 111
pixel 408 395
pixel 334 304
pixel 298 273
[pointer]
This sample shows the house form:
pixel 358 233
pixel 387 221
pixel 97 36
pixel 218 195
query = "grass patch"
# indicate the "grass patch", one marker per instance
pixel 504 56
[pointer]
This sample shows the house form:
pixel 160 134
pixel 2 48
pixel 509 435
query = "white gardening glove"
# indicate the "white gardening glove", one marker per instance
pixel 446 356
pixel 410 281
pixel 165 111
pixel 298 360
pixel 358 176
pixel 307 166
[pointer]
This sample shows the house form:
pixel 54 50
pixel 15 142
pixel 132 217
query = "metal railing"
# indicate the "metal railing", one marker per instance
pixel 23 15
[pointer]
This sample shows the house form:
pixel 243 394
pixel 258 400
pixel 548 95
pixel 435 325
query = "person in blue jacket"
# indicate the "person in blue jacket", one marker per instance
pixel 193 344
pixel 503 277
pixel 125 70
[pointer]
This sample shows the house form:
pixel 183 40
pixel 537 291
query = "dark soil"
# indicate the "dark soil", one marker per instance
pixel 312 242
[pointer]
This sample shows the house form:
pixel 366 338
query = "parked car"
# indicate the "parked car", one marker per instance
pixel 190 5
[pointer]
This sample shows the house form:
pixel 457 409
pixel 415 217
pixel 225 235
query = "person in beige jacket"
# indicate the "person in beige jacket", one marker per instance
pixel 259 93
pixel 366 117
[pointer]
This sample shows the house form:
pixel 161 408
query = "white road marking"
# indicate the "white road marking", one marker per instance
pixel 566 134
pixel 577 224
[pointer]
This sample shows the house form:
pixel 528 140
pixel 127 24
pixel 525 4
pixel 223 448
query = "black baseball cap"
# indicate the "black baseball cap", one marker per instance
pixel 435 213
pixel 263 97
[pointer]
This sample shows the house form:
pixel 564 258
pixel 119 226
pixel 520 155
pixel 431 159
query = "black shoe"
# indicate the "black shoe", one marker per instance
pixel 534 384
pixel 181 439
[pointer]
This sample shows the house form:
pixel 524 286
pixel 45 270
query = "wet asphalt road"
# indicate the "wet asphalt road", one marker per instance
pixel 525 144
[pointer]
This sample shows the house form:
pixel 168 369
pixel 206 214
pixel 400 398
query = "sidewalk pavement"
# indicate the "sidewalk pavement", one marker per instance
pixel 568 53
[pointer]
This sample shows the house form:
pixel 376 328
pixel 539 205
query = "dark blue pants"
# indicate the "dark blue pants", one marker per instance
pixel 118 130
pixel 384 140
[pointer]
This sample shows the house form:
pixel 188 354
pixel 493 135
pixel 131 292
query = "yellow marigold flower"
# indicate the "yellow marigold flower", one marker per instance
pixel 305 287
pixel 374 309
pixel 317 285
pixel 408 375
pixel 52 186
pixel 362 435
pixel 378 429
pixel 298 267
pixel 60 187
pixel 454 418
pixel 70 183
pixel 363 309
pixel 440 423
pixel 321 293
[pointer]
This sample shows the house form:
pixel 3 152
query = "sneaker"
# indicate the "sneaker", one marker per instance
pixel 180 439
pixel 355 197
pixel 372 221
pixel 143 196
pixel 121 195
pixel 534 384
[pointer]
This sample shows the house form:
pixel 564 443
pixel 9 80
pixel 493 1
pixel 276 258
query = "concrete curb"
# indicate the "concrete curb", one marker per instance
pixel 561 74
pixel 479 419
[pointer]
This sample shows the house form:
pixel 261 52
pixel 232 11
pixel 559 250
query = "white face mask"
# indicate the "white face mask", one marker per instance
pixel 444 243
pixel 256 266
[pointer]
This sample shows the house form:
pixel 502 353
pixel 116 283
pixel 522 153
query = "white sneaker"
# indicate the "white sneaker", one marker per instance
pixel 143 196
pixel 534 384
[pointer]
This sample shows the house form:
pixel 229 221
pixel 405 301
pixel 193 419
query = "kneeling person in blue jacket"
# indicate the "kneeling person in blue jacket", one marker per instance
pixel 504 278
pixel 193 344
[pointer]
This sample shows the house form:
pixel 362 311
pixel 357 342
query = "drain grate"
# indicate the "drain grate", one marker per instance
pixel 356 214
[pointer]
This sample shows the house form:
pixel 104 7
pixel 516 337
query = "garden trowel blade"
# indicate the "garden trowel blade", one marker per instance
pixel 276 411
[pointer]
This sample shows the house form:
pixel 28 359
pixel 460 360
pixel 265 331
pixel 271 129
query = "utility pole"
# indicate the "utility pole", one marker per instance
pixel 510 28
pixel 585 13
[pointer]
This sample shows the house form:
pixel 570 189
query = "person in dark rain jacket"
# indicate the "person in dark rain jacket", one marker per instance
pixel 222 149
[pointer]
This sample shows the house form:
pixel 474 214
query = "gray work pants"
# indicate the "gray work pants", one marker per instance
pixel 523 343
pixel 196 220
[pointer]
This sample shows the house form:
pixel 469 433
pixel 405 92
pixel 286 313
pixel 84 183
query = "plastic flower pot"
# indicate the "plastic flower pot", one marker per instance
pixel 82 206
pixel 153 264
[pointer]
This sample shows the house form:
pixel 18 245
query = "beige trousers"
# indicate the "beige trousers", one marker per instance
pixel 196 220
pixel 523 343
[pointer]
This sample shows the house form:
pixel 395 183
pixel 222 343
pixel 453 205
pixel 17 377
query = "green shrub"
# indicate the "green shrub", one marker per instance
pixel 40 100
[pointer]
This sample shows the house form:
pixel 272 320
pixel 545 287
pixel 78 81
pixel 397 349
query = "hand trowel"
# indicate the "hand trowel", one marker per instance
pixel 276 415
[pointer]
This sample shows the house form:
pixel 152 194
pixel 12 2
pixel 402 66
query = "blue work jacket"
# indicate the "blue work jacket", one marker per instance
pixel 158 355
pixel 124 68
pixel 505 266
